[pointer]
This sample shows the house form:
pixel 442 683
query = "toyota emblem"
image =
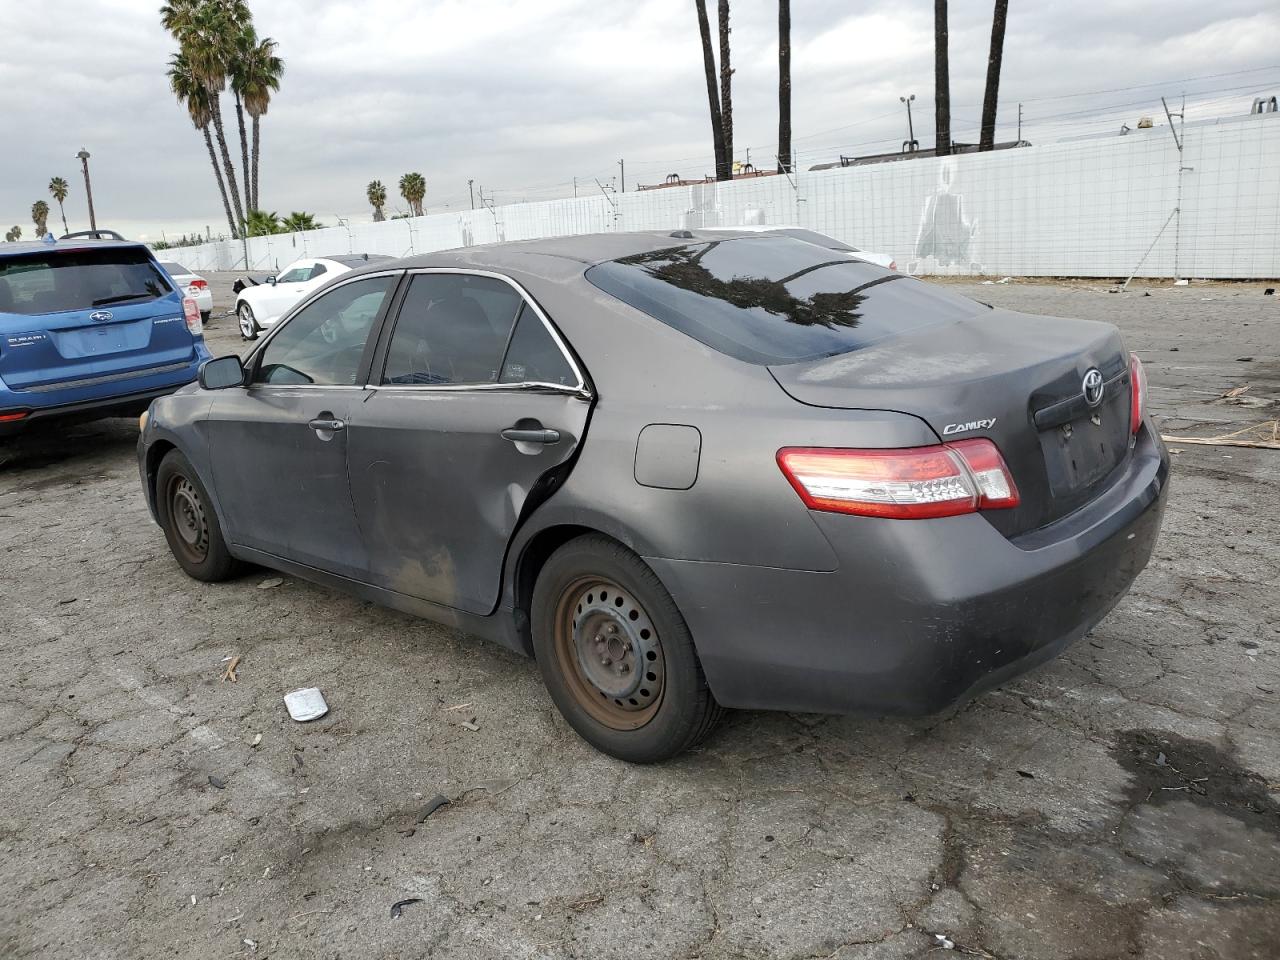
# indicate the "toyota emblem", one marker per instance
pixel 1092 387
pixel 100 315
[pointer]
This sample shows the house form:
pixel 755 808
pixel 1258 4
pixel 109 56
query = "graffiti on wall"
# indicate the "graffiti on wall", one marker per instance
pixel 945 238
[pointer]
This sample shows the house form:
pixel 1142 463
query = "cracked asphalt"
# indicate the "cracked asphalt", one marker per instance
pixel 1122 801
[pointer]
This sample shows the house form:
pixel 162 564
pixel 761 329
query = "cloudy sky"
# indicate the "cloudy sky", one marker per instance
pixel 524 97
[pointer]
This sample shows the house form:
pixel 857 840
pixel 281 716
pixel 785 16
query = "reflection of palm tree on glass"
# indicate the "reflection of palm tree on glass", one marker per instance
pixel 682 267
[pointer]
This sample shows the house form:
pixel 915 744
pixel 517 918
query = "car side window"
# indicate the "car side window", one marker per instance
pixel 323 342
pixel 317 270
pixel 294 275
pixel 452 328
pixel 533 355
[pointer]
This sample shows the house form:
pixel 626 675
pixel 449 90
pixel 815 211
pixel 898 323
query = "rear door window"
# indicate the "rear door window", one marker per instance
pixel 773 300
pixel 534 356
pixel 452 329
pixel 55 282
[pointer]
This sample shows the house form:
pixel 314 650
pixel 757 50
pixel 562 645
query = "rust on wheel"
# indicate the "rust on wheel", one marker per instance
pixel 609 653
pixel 189 519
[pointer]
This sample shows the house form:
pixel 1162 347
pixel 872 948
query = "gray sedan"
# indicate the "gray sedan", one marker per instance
pixel 683 471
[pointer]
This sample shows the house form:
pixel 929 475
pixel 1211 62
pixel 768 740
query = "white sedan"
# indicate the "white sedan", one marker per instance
pixel 260 307
pixel 192 285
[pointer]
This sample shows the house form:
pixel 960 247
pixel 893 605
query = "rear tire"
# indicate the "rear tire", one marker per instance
pixel 249 328
pixel 616 655
pixel 205 315
pixel 189 522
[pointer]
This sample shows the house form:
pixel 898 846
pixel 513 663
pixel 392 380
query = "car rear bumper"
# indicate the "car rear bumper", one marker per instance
pixel 920 614
pixel 110 396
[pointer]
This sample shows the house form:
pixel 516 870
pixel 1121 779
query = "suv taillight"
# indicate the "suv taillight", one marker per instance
pixel 905 484
pixel 1137 393
pixel 192 313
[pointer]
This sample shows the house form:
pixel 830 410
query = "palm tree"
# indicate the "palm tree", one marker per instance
pixel 784 86
pixel 723 170
pixel 206 31
pixel 300 220
pixel 255 77
pixel 726 88
pixel 13 234
pixel 413 188
pixel 39 216
pixel 58 188
pixel 376 193
pixel 192 94
pixel 992 97
pixel 261 223
pixel 941 81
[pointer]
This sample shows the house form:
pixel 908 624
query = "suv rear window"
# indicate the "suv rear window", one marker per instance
pixel 772 300
pixel 55 282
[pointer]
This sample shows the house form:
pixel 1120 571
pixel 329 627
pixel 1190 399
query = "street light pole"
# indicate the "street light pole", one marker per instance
pixel 88 190
pixel 622 167
pixel 912 144
pixel 471 190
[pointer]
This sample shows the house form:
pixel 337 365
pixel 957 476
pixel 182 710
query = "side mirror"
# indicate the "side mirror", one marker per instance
pixel 221 372
pixel 271 280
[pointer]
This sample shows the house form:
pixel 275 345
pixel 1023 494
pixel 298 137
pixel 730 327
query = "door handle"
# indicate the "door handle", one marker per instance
pixel 332 425
pixel 537 435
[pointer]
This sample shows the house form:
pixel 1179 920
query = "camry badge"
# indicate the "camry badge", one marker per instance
pixel 100 315
pixel 1092 387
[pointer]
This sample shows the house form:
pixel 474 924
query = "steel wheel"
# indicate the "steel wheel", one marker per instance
pixel 609 652
pixel 248 325
pixel 189 519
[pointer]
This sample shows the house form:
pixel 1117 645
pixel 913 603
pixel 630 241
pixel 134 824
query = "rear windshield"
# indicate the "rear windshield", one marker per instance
pixel 174 268
pixel 774 300
pixel 55 282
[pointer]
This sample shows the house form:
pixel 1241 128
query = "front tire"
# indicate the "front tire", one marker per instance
pixel 189 522
pixel 249 328
pixel 616 655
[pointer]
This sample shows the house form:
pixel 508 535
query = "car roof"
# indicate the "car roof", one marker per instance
pixel 357 259
pixel 554 258
pixel 67 246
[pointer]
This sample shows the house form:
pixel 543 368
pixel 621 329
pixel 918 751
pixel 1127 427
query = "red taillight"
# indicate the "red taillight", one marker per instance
pixel 905 484
pixel 13 415
pixel 199 284
pixel 192 313
pixel 893 265
pixel 1137 393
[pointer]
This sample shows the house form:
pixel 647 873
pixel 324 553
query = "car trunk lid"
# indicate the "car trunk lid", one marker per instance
pixel 1015 379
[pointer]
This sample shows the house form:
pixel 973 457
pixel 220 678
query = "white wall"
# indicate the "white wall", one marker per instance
pixel 1079 208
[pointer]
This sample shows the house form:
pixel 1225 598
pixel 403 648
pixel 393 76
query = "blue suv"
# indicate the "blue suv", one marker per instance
pixel 90 328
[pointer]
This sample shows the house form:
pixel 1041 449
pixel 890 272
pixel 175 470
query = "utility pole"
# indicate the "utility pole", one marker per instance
pixel 471 191
pixel 88 190
pixel 575 188
pixel 1019 123
pixel 622 165
pixel 912 145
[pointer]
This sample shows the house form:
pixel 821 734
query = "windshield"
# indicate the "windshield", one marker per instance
pixel 772 300
pixel 56 282
pixel 174 269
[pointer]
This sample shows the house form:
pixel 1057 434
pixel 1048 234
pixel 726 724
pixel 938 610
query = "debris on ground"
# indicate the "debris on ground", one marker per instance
pixel 471 725
pixel 230 672
pixel 217 782
pixel 1265 436
pixel 945 942
pixel 257 739
pixel 397 908
pixel 270 583
pixel 431 806
pixel 1234 392
pixel 493 787
pixel 306 704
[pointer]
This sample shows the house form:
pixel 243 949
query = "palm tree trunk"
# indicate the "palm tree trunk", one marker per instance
pixel 726 89
pixel 65 228
pixel 713 93
pixel 992 98
pixel 784 86
pixel 941 81
pixel 222 187
pixel 244 153
pixel 253 188
pixel 215 110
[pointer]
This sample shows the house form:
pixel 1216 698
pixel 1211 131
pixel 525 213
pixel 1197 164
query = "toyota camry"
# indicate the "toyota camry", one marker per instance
pixel 683 471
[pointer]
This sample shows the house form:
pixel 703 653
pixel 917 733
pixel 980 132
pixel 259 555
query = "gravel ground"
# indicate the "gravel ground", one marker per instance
pixel 1120 802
